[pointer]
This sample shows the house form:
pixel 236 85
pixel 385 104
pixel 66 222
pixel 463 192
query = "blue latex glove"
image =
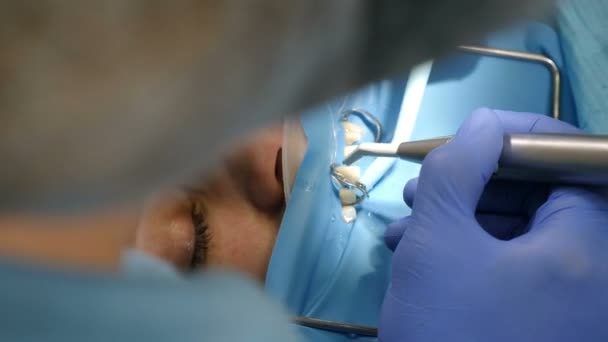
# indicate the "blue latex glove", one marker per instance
pixel 516 263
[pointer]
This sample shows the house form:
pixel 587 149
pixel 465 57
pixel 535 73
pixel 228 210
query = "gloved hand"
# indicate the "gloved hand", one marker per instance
pixel 516 263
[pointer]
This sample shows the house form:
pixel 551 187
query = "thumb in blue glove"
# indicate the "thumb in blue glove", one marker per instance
pixel 454 280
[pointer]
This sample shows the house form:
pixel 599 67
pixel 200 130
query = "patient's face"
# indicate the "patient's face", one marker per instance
pixel 229 219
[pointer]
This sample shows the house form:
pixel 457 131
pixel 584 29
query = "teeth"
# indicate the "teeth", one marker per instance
pixel 349 214
pixel 351 137
pixel 349 126
pixel 350 172
pixel 347 196
pixel 352 132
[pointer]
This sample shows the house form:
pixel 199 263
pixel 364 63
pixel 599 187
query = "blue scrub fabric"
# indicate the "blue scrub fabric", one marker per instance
pixel 52 305
pixel 583 26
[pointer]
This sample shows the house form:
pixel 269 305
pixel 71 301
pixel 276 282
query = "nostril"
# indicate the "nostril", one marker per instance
pixel 278 166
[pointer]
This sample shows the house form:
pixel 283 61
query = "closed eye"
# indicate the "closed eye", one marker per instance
pixel 202 235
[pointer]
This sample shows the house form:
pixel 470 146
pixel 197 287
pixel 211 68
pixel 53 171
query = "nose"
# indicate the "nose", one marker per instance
pixel 258 166
pixel 264 189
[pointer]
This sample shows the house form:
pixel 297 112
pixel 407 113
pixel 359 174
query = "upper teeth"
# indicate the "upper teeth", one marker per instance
pixel 352 132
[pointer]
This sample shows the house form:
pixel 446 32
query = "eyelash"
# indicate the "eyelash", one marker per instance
pixel 202 236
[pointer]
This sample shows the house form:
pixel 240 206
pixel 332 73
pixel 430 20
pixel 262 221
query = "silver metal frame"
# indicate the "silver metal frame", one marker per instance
pixel 367 116
pixel 343 182
pixel 530 57
pixel 339 179
pixel 334 326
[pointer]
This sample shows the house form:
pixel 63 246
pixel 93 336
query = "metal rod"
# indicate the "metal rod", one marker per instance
pixel 542 157
pixel 526 56
pixel 334 326
pixel 366 116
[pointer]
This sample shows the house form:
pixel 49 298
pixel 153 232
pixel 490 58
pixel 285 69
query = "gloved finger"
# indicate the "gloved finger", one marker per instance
pixel 505 207
pixel 499 226
pixel 566 205
pixel 512 198
pixel 503 227
pixel 516 122
pixel 499 197
pixel 394 232
pixel 409 191
pixel 454 175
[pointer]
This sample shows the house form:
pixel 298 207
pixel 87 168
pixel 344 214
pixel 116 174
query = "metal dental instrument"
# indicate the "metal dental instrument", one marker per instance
pixel 343 182
pixel 529 57
pixel 338 327
pixel 366 116
pixel 550 158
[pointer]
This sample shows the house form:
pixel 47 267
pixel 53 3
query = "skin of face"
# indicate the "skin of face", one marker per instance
pixel 89 241
pixel 243 205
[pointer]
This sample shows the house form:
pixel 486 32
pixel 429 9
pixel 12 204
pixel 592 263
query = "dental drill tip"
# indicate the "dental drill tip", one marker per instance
pixel 369 149
pixel 351 154
pixel 416 151
pixel 349 151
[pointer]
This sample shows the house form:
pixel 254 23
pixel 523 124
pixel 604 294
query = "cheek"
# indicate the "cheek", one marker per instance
pixel 242 239
pixel 165 230
pixel 172 241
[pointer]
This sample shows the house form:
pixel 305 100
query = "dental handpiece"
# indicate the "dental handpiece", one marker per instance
pixel 550 158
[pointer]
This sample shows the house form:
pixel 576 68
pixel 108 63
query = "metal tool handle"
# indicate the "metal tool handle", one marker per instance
pixel 555 158
pixel 551 158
